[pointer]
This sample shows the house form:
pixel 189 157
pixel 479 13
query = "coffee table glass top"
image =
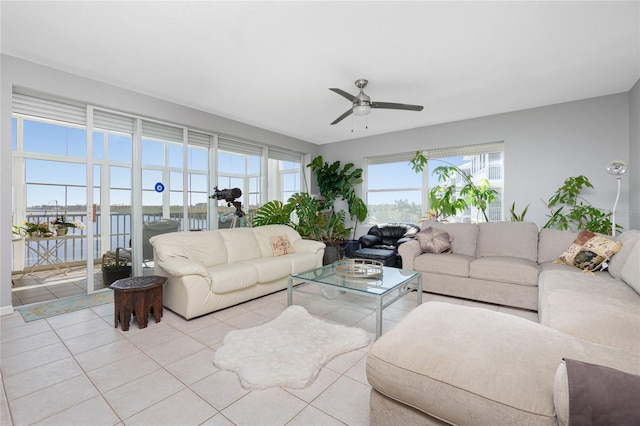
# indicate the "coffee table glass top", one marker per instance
pixel 391 278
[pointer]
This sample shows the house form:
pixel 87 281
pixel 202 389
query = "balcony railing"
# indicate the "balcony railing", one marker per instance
pixel 74 250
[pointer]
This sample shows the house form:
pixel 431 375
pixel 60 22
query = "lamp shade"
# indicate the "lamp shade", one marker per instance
pixel 617 167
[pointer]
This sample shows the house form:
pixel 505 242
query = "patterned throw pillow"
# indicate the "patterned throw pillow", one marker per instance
pixel 433 241
pixel 590 251
pixel 281 245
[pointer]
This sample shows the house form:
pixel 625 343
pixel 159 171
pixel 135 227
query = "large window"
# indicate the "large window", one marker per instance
pixel 51 157
pixel 483 164
pixel 239 166
pixel 394 192
pixel 285 174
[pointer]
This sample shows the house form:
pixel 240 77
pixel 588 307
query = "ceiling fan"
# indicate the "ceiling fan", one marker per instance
pixel 362 103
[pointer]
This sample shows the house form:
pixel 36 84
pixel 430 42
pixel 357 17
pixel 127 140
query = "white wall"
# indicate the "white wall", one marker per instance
pixel 543 146
pixel 16 72
pixel 634 156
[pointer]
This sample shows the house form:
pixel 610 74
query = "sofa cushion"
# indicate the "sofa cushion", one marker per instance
pixel 552 243
pixel 472 366
pixel 433 240
pixel 233 276
pixel 241 244
pixel 205 247
pixel 631 271
pixel 512 239
pixel 272 268
pixel 445 263
pixel 464 236
pixel 505 269
pixel 263 235
pixel 302 262
pixel 594 307
pixel 629 240
pixel 590 251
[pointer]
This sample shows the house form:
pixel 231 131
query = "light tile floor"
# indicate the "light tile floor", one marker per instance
pixel 77 369
pixel 51 284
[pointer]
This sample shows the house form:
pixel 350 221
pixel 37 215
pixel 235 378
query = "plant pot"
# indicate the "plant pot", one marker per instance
pixel 114 268
pixel 350 247
pixel 112 274
pixel 332 253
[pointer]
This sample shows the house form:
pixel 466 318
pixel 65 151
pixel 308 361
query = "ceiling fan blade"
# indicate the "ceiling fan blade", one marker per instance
pixel 390 105
pixel 343 116
pixel 345 94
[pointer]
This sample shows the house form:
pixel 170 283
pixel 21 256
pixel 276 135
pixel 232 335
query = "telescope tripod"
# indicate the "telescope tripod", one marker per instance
pixel 238 214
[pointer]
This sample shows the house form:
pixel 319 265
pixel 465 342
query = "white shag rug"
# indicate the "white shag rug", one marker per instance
pixel 288 351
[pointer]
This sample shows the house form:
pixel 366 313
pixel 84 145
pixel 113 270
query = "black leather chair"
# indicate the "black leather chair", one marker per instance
pixel 382 241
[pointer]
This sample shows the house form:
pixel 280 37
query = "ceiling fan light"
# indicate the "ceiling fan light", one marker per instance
pixel 361 110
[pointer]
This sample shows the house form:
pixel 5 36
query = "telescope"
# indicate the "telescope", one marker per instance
pixel 229 195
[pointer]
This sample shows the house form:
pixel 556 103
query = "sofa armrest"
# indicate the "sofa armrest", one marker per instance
pixel 369 241
pixel 312 246
pixel 181 266
pixel 409 251
pixel 403 240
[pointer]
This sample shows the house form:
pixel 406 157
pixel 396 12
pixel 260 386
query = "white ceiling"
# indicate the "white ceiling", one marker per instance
pixel 270 64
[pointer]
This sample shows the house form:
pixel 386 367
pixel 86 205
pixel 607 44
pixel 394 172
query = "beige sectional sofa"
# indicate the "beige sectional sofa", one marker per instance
pixel 212 270
pixel 495 262
pixel 451 364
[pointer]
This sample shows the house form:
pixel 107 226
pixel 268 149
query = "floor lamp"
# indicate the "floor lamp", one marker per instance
pixel 616 168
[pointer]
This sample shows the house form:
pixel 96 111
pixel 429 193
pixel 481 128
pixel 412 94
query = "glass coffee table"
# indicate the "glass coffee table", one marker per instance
pixel 392 285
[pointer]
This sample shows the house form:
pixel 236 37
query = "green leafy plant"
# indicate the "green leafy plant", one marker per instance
pixel 307 216
pixel 518 217
pixel 570 211
pixel 17 231
pixel 274 212
pixel 336 181
pixel 443 201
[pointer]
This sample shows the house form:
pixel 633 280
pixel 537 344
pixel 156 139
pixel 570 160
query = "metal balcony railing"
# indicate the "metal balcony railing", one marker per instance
pixel 75 249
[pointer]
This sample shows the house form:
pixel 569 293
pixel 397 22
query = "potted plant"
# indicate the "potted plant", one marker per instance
pixel 570 211
pixel 443 200
pixel 61 225
pixel 115 267
pixel 308 216
pixel 338 182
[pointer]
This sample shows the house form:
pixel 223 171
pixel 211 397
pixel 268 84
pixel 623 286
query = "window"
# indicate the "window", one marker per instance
pixel 285 174
pixel 198 180
pixel 50 156
pixel 394 192
pixel 483 163
pixel 239 166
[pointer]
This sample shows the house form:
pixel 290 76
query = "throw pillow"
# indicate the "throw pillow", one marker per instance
pixel 590 251
pixel 590 394
pixel 281 245
pixel 433 241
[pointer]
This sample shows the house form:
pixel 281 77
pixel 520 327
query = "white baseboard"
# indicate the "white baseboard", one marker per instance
pixel 6 310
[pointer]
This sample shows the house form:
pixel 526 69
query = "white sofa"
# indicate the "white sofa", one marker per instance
pixel 450 364
pixel 211 270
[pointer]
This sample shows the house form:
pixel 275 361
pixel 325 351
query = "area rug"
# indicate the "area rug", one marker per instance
pixel 288 351
pixel 64 306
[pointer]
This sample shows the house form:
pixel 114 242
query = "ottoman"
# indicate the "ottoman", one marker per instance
pixel 387 257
